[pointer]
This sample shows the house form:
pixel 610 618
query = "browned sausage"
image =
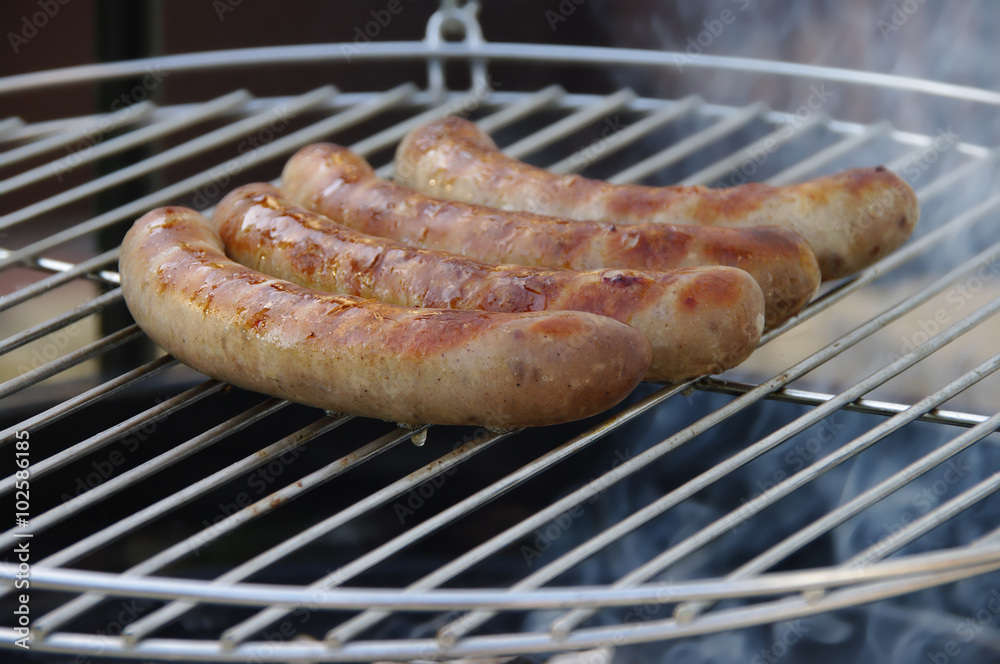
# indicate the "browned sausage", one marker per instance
pixel 352 355
pixel 699 321
pixel 339 184
pixel 851 219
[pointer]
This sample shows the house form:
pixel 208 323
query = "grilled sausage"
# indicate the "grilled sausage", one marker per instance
pixel 352 355
pixel 341 185
pixel 699 321
pixel 851 219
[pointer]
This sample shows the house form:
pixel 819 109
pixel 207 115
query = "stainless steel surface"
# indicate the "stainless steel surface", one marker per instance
pixel 462 616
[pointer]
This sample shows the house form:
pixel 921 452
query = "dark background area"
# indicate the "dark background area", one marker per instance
pixel 946 42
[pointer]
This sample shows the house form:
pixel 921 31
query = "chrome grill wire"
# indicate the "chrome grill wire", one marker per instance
pixel 873 579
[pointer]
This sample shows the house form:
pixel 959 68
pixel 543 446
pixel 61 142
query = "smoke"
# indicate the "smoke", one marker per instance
pixel 948 42
pixel 954 623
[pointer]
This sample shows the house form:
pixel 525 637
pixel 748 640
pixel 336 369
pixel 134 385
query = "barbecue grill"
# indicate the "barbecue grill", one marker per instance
pixel 171 517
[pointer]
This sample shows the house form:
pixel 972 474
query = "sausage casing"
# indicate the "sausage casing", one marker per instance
pixel 699 320
pixel 332 180
pixel 851 219
pixel 351 355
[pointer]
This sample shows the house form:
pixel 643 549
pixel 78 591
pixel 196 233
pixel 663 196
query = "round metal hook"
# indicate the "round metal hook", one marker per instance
pixel 454 21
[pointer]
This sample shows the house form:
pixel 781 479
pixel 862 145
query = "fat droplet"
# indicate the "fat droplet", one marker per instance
pixel 419 438
pixel 333 413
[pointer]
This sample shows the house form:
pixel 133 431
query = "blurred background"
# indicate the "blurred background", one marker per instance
pixel 940 41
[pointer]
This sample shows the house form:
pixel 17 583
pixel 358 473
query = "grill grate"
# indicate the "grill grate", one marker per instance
pixel 104 559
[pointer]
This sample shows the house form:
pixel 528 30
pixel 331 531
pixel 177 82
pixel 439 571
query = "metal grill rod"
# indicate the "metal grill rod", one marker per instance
pixel 96 151
pixel 514 52
pixel 111 434
pixel 349 629
pixel 960 174
pixel 357 624
pixel 88 398
pixel 101 124
pixel 397 488
pixel 165 460
pixel 59 278
pixel 928 522
pixel 8 125
pixel 825 156
pixel 563 625
pixel 508 114
pixel 570 124
pixel 627 136
pixel 681 149
pixel 167 614
pixel 865 500
pixel 905 253
pixel 208 110
pixel 869 406
pixel 807 581
pixel 215 138
pixel 275 553
pixel 277 147
pixel 466 506
pixel 522 106
pixel 897 164
pixel 59 322
pixel 767 143
pixel 208 535
pixel 343 101
pixel 29 378
pixel 94 541
pixel 512 644
pixel 795 542
pixel 57 266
